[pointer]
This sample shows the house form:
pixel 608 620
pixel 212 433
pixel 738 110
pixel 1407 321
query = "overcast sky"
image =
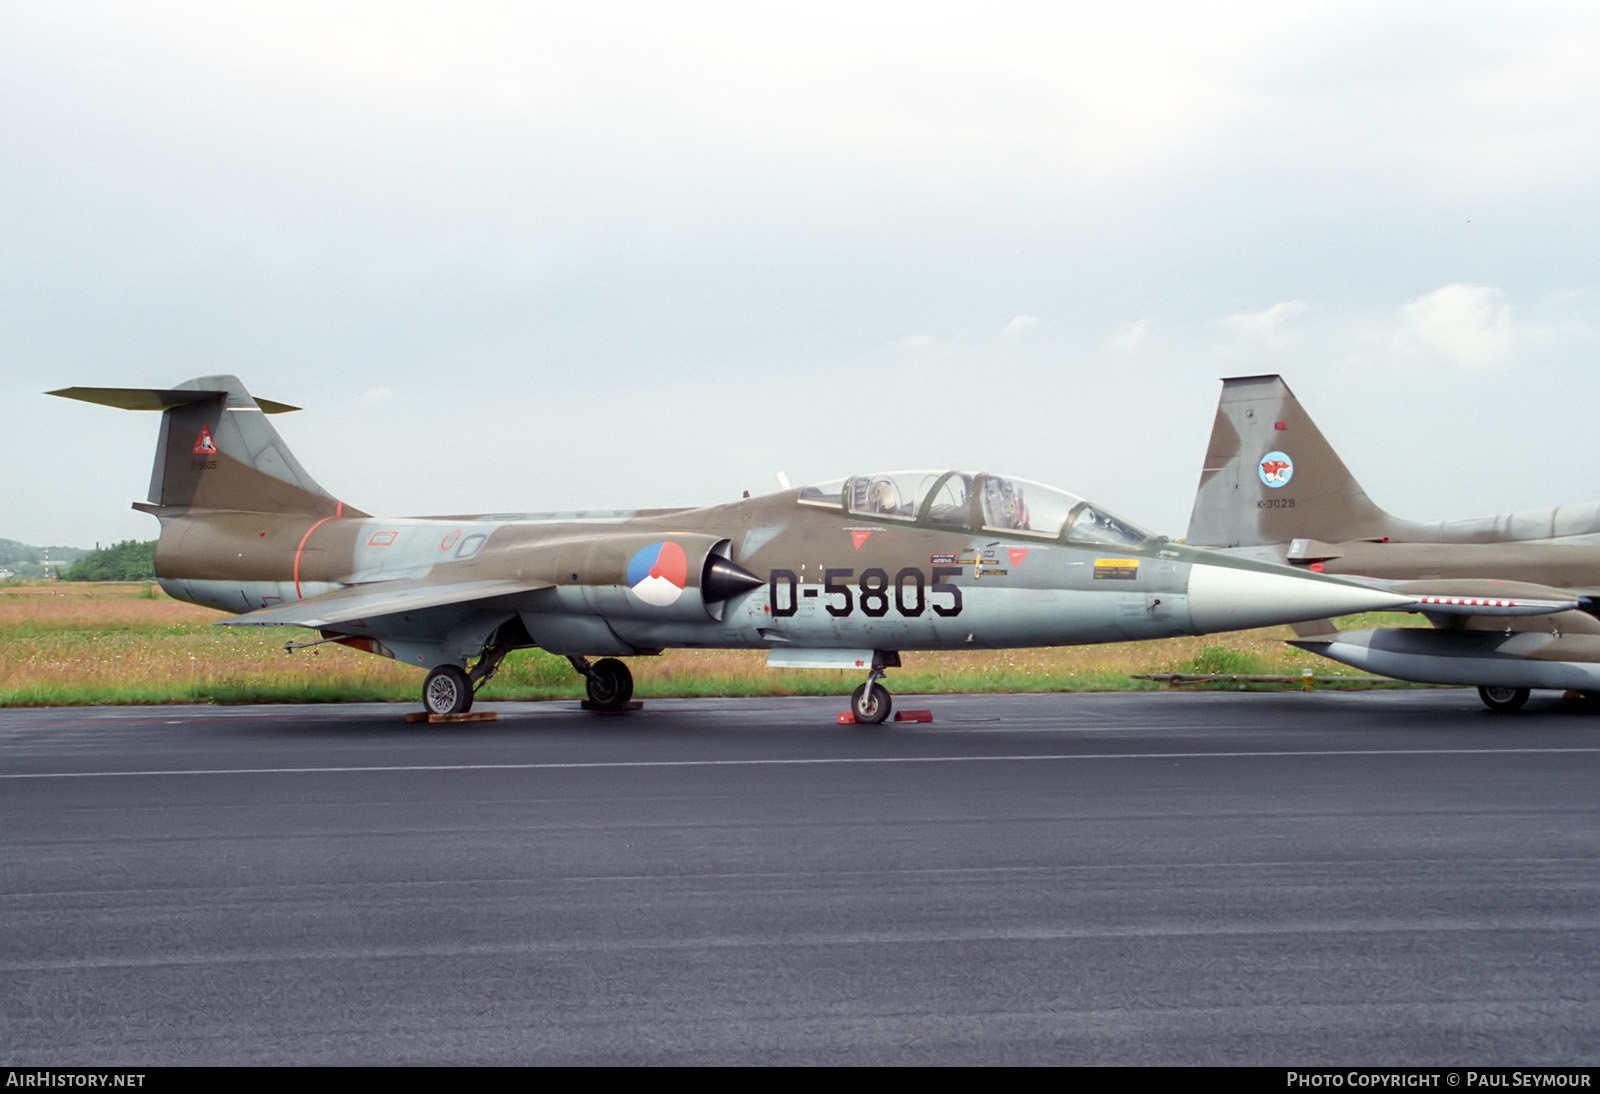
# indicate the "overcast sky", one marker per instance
pixel 519 256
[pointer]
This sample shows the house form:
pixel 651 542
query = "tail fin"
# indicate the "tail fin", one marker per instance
pixel 1271 477
pixel 218 451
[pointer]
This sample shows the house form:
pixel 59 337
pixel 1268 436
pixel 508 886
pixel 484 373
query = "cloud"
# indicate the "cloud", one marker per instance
pixel 1018 326
pixel 1128 339
pixel 1267 325
pixel 1468 325
pixel 380 394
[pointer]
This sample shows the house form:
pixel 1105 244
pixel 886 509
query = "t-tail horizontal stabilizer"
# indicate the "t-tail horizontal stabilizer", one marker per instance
pixel 218 452
pixel 155 398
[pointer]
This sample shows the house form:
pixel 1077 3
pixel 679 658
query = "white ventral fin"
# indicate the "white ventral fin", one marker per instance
pixel 819 659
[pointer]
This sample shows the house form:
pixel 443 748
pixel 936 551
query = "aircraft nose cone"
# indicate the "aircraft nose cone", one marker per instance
pixel 1225 598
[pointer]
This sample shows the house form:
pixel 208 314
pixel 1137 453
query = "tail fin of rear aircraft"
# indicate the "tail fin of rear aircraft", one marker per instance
pixel 217 450
pixel 1271 477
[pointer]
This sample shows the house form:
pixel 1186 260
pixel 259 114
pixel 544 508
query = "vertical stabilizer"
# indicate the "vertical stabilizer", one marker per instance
pixel 1271 477
pixel 217 451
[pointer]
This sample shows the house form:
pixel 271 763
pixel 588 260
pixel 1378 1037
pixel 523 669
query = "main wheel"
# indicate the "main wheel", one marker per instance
pixel 610 684
pixel 870 704
pixel 1503 700
pixel 447 691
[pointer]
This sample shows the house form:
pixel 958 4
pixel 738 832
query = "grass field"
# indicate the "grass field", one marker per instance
pixel 64 643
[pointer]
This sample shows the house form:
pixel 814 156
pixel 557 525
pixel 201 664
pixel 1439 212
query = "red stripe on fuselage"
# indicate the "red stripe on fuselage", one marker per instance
pixel 338 510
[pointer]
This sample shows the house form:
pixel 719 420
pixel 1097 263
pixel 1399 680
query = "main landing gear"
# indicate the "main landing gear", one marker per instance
pixel 608 682
pixel 449 689
pixel 870 703
pixel 1503 700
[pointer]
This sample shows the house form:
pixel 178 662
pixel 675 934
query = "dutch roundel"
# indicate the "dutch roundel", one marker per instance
pixel 658 573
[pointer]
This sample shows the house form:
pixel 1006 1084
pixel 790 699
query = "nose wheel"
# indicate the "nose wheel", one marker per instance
pixel 870 703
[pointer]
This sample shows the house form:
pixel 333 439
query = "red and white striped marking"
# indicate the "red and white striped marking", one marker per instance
pixel 1469 601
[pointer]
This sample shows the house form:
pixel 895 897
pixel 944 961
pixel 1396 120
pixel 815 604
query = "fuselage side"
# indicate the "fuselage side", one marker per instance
pixel 829 578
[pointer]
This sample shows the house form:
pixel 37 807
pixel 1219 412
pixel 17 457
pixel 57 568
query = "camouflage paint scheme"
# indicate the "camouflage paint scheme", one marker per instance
pixel 843 575
pixel 1272 488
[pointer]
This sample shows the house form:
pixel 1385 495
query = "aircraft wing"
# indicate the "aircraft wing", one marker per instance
pixel 1471 605
pixel 1481 596
pixel 378 598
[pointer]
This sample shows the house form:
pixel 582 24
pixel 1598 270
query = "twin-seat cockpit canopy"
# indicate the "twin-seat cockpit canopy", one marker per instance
pixel 980 502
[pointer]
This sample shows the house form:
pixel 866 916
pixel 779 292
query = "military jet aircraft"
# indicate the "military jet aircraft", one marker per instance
pixel 1273 489
pixel 844 574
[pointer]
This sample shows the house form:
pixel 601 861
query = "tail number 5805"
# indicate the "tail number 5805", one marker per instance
pixel 912 591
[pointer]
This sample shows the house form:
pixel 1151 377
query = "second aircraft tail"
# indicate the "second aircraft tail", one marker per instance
pixel 1270 476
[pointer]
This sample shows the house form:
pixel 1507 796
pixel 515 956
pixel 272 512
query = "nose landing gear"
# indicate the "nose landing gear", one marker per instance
pixel 870 703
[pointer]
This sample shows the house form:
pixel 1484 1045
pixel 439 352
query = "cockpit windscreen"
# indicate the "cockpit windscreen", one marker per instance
pixel 978 502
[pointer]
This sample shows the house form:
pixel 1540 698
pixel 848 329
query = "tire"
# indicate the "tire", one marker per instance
pixel 870 707
pixel 609 684
pixel 1503 700
pixel 447 691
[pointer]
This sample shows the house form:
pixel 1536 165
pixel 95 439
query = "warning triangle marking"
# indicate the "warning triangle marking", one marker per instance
pixel 860 538
pixel 1017 555
pixel 204 445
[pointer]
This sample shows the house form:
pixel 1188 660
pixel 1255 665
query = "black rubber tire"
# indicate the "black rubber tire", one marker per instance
pixel 870 708
pixel 447 691
pixel 1503 700
pixel 609 684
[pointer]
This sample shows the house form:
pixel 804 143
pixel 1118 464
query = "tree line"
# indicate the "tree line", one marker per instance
pixel 130 560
